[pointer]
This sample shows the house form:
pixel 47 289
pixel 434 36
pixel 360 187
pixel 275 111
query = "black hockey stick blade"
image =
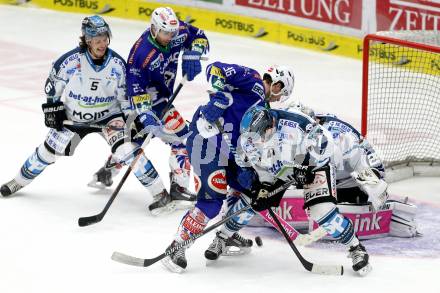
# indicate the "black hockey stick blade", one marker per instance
pixel 311 267
pixel 86 221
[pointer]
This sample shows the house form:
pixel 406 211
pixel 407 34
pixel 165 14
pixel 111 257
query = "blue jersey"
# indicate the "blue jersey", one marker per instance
pixel 243 84
pixel 152 68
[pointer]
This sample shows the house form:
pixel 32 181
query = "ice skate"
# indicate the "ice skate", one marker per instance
pixel 181 196
pixel 175 262
pixel 237 245
pixel 162 204
pixel 101 179
pixel 360 257
pixel 9 188
pixel 217 247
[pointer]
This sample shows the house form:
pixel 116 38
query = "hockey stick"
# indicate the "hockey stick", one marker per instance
pixel 311 267
pixel 86 221
pixel 145 262
pixel 92 125
pixel 314 268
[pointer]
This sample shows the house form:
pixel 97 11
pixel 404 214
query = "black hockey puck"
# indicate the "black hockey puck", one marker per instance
pixel 258 241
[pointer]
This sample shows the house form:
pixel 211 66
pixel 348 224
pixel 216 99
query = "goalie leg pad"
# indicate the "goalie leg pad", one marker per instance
pixel 403 222
pixel 336 225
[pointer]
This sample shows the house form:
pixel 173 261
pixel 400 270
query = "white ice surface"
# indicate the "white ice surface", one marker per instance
pixel 43 250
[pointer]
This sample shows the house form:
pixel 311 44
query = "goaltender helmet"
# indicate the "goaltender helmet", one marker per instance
pixel 93 26
pixel 164 18
pixel 284 75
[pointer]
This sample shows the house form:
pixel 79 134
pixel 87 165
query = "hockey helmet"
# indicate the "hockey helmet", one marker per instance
pixel 256 120
pixel 93 26
pixel 164 18
pixel 284 75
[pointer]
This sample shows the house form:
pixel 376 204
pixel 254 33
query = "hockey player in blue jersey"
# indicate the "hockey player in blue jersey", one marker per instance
pixel 275 143
pixel 85 86
pixel 151 74
pixel 235 89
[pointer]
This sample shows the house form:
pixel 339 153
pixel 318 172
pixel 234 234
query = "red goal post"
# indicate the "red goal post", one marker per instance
pixel 401 96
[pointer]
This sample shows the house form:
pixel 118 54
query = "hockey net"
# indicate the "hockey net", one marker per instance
pixel 401 96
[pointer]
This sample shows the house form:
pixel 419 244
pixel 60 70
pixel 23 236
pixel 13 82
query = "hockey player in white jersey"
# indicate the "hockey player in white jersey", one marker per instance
pixel 359 170
pixel 277 143
pixel 85 86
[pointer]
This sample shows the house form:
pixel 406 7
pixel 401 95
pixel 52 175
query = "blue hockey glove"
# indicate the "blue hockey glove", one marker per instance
pixel 191 65
pixel 149 123
pixel 54 115
pixel 214 109
pixel 246 177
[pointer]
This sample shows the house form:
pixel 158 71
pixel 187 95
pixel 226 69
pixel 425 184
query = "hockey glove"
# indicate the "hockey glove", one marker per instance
pixel 191 65
pixel 54 115
pixel 246 177
pixel 261 199
pixel 149 123
pixel 214 109
pixel 302 176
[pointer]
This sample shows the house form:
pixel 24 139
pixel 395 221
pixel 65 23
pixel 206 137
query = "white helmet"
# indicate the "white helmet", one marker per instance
pixel 164 18
pixel 283 74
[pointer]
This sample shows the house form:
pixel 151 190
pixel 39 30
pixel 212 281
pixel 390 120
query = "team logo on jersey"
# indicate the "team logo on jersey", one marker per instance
pixel 218 83
pixel 216 71
pixel 217 181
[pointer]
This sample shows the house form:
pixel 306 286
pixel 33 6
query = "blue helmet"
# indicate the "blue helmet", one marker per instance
pixel 93 26
pixel 257 120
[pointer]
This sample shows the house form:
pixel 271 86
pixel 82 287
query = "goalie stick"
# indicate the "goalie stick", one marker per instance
pixel 146 262
pixel 86 221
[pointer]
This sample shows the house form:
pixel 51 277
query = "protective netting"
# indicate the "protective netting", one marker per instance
pixel 403 113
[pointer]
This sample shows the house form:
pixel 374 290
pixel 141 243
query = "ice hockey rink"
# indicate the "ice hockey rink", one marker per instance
pixel 42 249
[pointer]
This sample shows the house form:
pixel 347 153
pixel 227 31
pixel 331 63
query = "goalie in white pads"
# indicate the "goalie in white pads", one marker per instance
pixel 281 146
pixel 360 174
pixel 85 86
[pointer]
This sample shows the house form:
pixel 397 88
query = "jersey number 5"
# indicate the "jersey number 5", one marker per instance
pixel 94 86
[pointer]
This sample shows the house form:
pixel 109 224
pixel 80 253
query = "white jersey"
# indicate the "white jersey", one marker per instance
pixel 298 140
pixel 90 93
